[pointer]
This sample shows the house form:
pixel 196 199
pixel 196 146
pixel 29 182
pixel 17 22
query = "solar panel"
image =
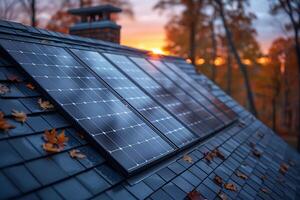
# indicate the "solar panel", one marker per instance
pixel 200 121
pixel 202 90
pixel 151 110
pixel 119 131
pixel 164 72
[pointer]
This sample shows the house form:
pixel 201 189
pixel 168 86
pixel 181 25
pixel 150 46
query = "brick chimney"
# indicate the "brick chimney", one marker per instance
pixel 96 22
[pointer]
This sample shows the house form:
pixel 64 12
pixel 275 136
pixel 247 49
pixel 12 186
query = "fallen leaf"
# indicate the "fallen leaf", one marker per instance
pixel 76 154
pixel 230 186
pixel 30 86
pixel 256 153
pixel 219 154
pixel 54 142
pixel 218 180
pixel 208 157
pixel 241 175
pixel 4 125
pixel 263 178
pixel 194 195
pixel 283 168
pixel 51 148
pixel 19 116
pixel 264 190
pixel 188 158
pixel 14 78
pixel 222 195
pixel 4 89
pixel 45 105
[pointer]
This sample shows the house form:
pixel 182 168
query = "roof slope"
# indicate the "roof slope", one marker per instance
pixel 252 160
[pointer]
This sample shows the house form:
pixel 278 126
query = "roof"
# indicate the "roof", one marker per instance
pixel 95 10
pixel 251 156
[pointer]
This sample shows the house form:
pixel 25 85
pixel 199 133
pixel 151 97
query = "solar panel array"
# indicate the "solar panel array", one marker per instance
pixel 137 111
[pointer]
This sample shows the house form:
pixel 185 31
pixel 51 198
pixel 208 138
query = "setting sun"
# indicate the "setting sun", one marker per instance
pixel 158 51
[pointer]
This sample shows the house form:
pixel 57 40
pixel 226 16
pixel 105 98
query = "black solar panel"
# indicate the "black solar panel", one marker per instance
pixel 200 121
pixel 118 130
pixel 202 90
pixel 153 112
pixel 164 72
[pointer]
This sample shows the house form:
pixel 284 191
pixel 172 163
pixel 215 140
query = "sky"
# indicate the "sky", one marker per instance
pixel 146 30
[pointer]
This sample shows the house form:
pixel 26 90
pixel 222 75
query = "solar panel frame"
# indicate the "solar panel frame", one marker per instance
pixel 119 76
pixel 144 78
pixel 111 159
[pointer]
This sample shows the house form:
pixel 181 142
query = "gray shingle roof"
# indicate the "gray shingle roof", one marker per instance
pixel 28 172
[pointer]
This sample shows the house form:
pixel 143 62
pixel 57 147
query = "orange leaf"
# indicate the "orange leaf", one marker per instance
pixel 76 154
pixel 19 116
pixel 4 89
pixel 4 125
pixel 218 180
pixel 219 154
pixel 45 105
pixel 208 157
pixel 241 175
pixel 194 195
pixel 188 158
pixel 30 86
pixel 50 137
pixel 62 139
pixel 283 168
pixel 230 186
pixel 51 148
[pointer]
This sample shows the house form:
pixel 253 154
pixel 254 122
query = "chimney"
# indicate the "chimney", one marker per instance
pixel 96 22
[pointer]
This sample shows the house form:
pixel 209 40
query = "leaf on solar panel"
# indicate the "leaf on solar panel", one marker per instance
pixel 218 180
pixel 283 168
pixel 45 105
pixel 30 86
pixel 4 125
pixel 188 158
pixel 54 142
pixel 194 195
pixel 264 190
pixel 19 116
pixel 75 153
pixel 230 186
pixel 14 78
pixel 209 156
pixel 263 177
pixel 241 175
pixel 222 195
pixel 4 89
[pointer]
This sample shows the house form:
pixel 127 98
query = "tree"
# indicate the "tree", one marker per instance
pixel 292 10
pixel 220 8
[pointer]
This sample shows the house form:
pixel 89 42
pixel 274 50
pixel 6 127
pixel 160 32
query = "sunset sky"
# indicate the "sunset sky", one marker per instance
pixel 146 30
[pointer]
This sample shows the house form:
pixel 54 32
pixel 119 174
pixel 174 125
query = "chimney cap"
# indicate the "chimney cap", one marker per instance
pixel 106 8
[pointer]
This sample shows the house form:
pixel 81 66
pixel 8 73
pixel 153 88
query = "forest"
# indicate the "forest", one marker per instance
pixel 220 39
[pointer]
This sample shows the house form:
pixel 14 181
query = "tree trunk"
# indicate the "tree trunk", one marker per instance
pixel 193 43
pixel 213 51
pixel 33 13
pixel 274 113
pixel 229 73
pixel 238 59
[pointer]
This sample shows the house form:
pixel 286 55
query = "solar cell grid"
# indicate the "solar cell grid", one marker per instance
pixel 198 120
pixel 152 111
pixel 123 135
pixel 164 71
pixel 201 89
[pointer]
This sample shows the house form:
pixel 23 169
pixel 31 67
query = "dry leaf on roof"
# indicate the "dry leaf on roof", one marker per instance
pixel 19 116
pixel 4 89
pixel 222 195
pixel 208 157
pixel 219 154
pixel 76 154
pixel 230 186
pixel 256 153
pixel 264 190
pixel 188 158
pixel 218 180
pixel 283 168
pixel 45 105
pixel 241 175
pixel 4 125
pixel 51 148
pixel 14 78
pixel 30 86
pixel 194 195
pixel 263 178
pixel 54 142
